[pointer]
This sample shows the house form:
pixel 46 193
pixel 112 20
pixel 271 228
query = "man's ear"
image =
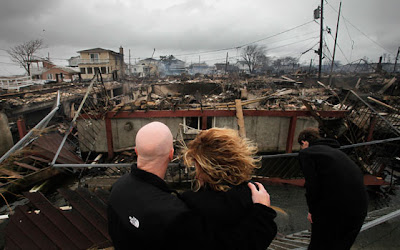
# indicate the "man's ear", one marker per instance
pixel 136 151
pixel 305 144
pixel 171 154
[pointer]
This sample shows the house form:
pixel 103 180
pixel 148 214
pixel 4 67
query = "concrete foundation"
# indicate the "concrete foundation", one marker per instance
pixel 270 133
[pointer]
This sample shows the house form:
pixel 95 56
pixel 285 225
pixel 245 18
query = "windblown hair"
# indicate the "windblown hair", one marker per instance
pixel 221 158
pixel 309 134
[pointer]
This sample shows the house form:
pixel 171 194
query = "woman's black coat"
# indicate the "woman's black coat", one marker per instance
pixel 227 208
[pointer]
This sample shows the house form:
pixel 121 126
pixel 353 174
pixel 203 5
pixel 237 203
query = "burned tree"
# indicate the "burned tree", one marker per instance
pixel 23 53
pixel 254 56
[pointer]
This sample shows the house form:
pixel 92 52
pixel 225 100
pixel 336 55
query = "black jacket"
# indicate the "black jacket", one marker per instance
pixel 225 209
pixel 144 214
pixel 334 183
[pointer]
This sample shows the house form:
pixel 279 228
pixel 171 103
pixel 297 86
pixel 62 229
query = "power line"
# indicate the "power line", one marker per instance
pixel 243 45
pixel 277 34
pixel 375 42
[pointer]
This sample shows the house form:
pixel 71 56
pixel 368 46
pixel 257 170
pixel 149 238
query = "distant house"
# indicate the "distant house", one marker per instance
pixel 43 69
pixel 242 66
pixel 61 74
pixel 225 68
pixel 109 63
pixel 199 68
pixel 74 61
pixel 171 66
pixel 146 67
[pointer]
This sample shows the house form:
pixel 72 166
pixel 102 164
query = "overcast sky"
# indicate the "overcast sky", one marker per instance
pixel 190 28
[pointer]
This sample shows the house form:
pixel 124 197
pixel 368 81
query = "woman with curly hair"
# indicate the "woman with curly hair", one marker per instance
pixel 224 163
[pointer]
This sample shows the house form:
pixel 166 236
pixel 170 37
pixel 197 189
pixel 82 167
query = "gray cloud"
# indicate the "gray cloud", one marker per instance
pixel 186 26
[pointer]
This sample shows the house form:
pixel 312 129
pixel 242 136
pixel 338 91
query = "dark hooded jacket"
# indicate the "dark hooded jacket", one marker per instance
pixel 143 213
pixel 334 183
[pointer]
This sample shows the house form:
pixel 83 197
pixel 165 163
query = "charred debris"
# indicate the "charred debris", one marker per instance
pixel 367 105
pixel 86 131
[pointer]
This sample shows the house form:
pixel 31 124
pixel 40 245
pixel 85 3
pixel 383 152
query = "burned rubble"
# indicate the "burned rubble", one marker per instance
pixel 98 122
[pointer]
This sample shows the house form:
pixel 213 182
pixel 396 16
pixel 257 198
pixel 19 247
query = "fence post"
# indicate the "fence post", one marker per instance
pixel 290 137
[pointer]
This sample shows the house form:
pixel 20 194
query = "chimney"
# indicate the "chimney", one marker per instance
pixel 121 52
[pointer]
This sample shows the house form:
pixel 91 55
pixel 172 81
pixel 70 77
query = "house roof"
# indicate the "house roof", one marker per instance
pixel 97 50
pixel 69 70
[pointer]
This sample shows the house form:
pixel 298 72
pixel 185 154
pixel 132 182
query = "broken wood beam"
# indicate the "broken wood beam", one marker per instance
pixel 36 158
pixel 10 173
pixel 240 118
pixel 328 88
pixel 383 104
pixel 387 85
pixel 288 79
pixel 24 165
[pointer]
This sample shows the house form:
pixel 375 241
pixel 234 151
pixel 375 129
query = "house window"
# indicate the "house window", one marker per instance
pixel 192 125
pixel 49 76
pixel 103 70
pixel 94 57
pixel 96 70
pixel 90 70
pixel 83 70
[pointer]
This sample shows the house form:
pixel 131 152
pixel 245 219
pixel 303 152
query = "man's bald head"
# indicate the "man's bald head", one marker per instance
pixel 154 144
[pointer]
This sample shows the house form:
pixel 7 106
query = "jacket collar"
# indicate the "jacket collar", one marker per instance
pixel 150 178
pixel 327 142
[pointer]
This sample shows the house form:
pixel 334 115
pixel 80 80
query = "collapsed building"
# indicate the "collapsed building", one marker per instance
pixel 97 129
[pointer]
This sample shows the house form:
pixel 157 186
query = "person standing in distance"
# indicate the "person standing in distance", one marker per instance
pixel 336 196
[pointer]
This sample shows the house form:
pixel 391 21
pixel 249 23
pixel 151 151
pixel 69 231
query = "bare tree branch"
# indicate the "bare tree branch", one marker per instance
pixel 253 55
pixel 23 53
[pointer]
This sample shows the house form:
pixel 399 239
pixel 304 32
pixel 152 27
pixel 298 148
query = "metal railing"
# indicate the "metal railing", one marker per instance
pixel 90 131
pixel 16 83
pixel 32 134
pixel 94 61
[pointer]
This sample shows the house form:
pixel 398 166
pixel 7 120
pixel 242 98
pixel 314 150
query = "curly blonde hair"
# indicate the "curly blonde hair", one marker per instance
pixel 221 157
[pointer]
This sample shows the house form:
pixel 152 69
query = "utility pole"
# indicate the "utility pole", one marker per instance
pixel 334 48
pixel 226 63
pixel 395 62
pixel 129 65
pixel 320 40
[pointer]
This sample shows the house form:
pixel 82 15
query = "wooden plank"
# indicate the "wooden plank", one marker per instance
pixel 24 165
pixel 95 202
pixel 18 237
pixel 30 229
pixel 82 206
pixel 390 83
pixel 110 144
pixel 36 158
pixel 44 224
pixel 383 104
pixel 240 119
pixel 10 173
pixel 58 219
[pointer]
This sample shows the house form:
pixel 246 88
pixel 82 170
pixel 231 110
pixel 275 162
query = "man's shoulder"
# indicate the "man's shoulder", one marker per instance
pixel 317 149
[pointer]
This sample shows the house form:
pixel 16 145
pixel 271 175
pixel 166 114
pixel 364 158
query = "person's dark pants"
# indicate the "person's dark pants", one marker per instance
pixel 334 233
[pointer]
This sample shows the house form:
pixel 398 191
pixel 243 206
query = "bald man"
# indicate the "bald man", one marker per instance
pixel 143 213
